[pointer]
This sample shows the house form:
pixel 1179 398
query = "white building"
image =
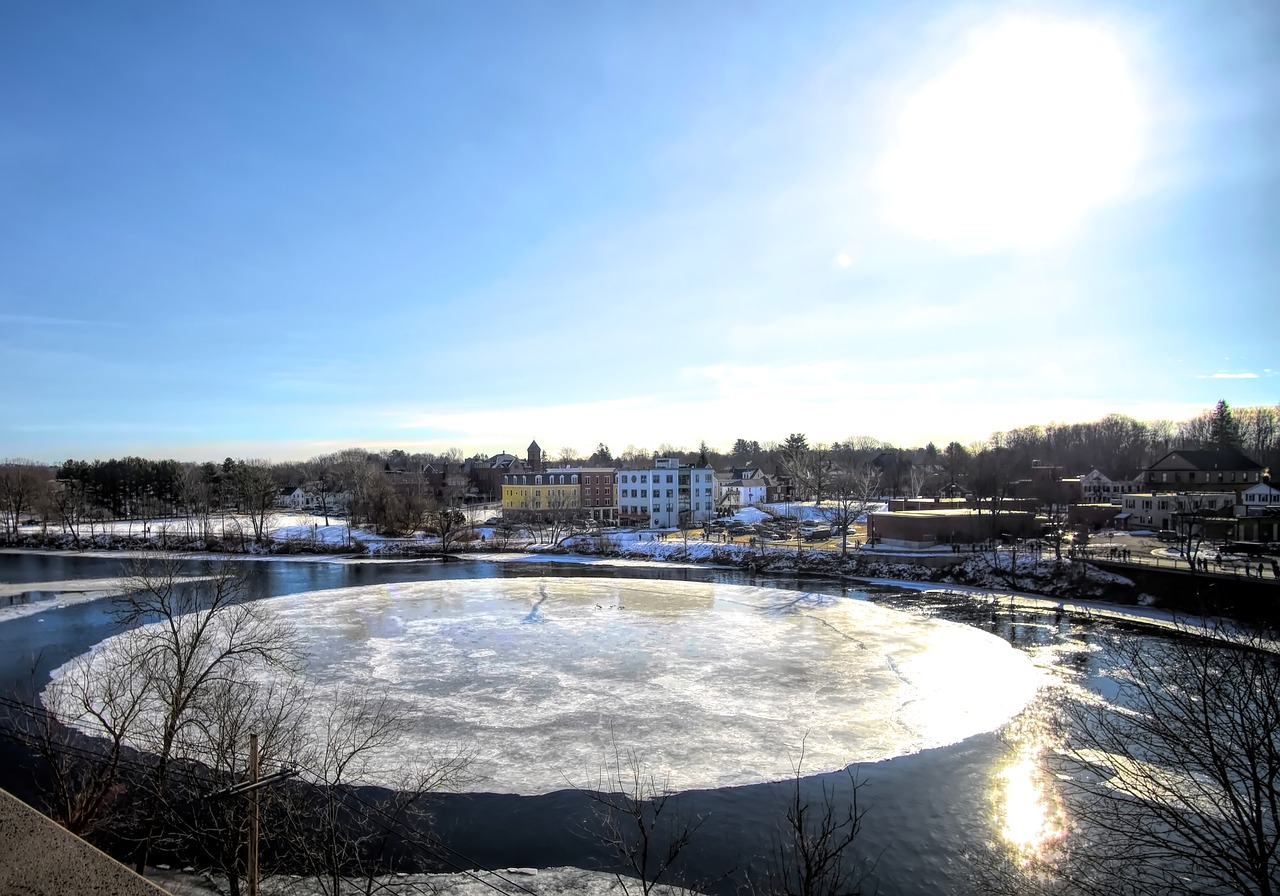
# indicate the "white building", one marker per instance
pixel 667 495
pixel 1257 499
pixel 1160 510
pixel 738 488
pixel 1097 487
pixel 292 497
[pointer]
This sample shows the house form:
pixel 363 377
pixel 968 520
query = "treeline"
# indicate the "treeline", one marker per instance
pixel 390 491
pixel 399 492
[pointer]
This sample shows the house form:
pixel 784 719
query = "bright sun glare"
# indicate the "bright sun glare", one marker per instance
pixel 1032 126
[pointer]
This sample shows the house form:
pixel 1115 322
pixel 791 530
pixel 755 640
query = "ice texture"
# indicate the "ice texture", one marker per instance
pixel 711 685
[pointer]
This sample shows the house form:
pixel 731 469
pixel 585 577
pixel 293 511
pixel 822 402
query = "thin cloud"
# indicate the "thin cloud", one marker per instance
pixel 1228 376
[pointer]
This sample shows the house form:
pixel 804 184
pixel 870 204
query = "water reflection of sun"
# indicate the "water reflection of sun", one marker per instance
pixel 1029 810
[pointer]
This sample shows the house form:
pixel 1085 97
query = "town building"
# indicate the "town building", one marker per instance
pixel 598 498
pixel 1260 499
pixel 486 474
pixel 667 495
pixel 1162 510
pixel 544 492
pixel 923 529
pixel 1202 470
pixel 740 487
pixel 1097 487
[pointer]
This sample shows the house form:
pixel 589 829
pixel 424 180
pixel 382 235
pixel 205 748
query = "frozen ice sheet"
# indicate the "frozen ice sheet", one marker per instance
pixel 712 685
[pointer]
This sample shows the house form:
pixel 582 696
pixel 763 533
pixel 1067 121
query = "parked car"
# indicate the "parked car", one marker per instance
pixel 1167 535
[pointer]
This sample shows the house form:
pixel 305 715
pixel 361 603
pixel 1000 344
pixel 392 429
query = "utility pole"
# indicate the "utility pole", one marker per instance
pixel 253 815
pixel 251 788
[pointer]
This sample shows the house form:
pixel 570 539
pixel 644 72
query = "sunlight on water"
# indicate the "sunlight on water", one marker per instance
pixel 1029 810
pixel 1029 824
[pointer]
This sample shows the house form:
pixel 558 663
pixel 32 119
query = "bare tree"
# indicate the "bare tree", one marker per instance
pixel 853 489
pixel 323 475
pixel 346 837
pixel 1176 783
pixel 213 756
pixel 638 818
pixel 812 854
pixel 104 697
pixel 69 503
pixel 199 628
pixel 256 490
pixel 22 484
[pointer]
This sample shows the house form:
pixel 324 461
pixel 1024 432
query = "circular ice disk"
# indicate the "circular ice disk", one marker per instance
pixel 710 685
pixel 548 680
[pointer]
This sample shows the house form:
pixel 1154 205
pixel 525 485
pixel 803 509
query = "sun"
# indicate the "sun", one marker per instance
pixel 1033 125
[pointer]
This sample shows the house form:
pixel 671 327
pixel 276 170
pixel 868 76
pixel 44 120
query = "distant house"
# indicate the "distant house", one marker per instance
pixel 293 497
pixel 1260 499
pixel 1203 470
pixel 1097 487
pixel 740 487
pixel 1047 485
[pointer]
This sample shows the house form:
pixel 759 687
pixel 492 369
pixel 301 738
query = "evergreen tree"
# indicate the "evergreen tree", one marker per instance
pixel 1224 432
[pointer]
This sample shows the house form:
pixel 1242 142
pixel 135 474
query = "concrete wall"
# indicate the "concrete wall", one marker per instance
pixel 42 859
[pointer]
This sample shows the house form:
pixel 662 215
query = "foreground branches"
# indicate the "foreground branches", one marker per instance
pixel 1175 787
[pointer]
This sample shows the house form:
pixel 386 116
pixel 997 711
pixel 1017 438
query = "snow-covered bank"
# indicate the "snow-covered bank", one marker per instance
pixel 1052 578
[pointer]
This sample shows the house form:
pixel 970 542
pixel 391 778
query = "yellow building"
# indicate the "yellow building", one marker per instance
pixel 551 490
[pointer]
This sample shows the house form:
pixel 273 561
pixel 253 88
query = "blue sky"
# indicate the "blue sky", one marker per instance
pixel 276 230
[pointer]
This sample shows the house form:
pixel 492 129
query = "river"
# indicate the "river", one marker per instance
pixel 932 812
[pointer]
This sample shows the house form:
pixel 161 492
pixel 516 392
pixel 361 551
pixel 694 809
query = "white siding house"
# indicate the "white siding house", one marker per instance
pixel 1259 498
pixel 1097 487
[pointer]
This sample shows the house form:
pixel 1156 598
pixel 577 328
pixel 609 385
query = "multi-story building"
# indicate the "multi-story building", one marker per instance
pixel 1097 487
pixel 599 495
pixel 547 491
pixel 740 487
pixel 667 495
pixel 486 474
pixel 1162 510
pixel 1202 470
pixel 1260 499
pixel 586 492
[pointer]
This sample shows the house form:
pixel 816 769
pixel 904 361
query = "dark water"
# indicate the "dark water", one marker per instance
pixel 928 814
